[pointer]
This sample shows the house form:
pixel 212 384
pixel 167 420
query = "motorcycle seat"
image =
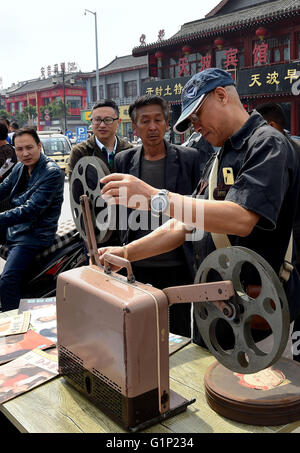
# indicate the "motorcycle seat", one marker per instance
pixel 64 235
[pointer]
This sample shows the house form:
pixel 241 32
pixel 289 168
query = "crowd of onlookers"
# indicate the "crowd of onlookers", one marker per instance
pixel 31 194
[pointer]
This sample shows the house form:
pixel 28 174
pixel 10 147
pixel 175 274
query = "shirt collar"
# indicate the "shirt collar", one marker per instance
pixel 238 139
pixel 101 146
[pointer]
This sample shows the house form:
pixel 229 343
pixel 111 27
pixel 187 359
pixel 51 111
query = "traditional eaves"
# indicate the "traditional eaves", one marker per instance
pixel 239 20
pixel 127 62
pixel 40 84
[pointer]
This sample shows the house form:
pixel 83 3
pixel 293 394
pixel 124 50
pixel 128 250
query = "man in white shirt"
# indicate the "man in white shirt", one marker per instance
pixel 104 142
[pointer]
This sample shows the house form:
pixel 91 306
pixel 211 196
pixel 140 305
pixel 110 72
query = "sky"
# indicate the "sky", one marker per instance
pixel 36 34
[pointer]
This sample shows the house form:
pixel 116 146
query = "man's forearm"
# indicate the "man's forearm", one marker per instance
pixel 164 239
pixel 224 217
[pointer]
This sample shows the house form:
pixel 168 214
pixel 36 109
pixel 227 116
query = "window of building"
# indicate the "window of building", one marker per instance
pixel 170 68
pixel 183 65
pixel 75 102
pixel 113 91
pixel 94 93
pixel 20 107
pixel 230 58
pixel 272 50
pixel 46 101
pixel 196 62
pixel 130 88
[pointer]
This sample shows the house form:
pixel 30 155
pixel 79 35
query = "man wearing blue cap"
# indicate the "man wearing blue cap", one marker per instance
pixel 247 194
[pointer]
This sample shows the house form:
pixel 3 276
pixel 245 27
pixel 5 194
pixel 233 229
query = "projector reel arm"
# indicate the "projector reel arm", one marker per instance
pixel 216 293
pixel 89 230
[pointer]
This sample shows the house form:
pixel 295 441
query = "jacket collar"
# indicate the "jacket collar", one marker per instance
pixel 238 139
pixel 120 145
pixel 36 171
pixel 43 158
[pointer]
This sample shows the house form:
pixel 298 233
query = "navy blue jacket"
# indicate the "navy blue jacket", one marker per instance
pixel 34 213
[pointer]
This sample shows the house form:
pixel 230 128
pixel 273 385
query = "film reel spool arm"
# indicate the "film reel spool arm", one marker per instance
pixel 216 293
pixel 89 229
pixel 92 244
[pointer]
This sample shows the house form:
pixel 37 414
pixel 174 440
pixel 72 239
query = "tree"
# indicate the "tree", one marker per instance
pixel 27 116
pixel 5 113
pixel 31 112
pixel 57 110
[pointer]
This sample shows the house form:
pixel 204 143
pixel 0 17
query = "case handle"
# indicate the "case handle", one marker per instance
pixel 108 258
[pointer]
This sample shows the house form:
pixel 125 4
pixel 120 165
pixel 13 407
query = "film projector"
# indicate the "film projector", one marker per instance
pixel 113 331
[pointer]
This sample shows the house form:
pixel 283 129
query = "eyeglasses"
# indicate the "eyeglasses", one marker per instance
pixel 107 120
pixel 194 116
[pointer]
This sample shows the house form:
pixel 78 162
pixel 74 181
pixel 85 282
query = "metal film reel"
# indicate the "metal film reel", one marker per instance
pixel 232 341
pixel 85 180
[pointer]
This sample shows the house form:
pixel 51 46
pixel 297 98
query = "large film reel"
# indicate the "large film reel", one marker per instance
pixel 85 180
pixel 244 355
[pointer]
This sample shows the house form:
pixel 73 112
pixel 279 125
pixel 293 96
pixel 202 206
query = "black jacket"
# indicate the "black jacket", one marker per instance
pixel 34 213
pixel 182 174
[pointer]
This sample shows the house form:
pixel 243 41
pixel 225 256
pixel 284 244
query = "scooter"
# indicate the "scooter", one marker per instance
pixel 66 253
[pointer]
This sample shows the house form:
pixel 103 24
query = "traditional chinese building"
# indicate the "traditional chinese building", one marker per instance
pixel 257 41
pixel 121 80
pixel 42 91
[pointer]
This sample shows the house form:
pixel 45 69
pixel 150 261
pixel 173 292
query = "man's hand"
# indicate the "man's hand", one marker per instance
pixel 127 190
pixel 118 251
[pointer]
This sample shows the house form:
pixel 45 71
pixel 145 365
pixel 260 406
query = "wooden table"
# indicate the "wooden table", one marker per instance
pixel 55 407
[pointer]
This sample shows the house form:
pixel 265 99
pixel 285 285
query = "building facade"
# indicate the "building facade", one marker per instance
pixel 257 41
pixel 39 93
pixel 122 81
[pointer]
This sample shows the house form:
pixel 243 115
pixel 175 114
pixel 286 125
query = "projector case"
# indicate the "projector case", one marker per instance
pixel 113 345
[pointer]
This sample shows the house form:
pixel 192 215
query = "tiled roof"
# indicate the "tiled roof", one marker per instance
pixel 217 8
pixel 226 6
pixel 271 11
pixel 40 84
pixel 122 63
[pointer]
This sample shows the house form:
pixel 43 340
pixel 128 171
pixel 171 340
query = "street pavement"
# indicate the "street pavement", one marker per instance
pixel 66 213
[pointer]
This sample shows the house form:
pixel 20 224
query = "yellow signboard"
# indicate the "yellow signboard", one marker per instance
pixel 87 116
pixel 123 109
pixel 124 115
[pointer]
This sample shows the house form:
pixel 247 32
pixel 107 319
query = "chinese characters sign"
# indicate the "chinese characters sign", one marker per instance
pixel 48 71
pixel 268 79
pixel 260 53
pixel 169 89
pixel 205 63
pixel 231 58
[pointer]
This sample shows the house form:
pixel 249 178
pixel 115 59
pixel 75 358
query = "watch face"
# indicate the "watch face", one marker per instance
pixel 158 204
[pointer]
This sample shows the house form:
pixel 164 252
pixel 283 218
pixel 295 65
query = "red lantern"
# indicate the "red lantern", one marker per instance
pixel 219 42
pixel 186 49
pixel 159 55
pixel 261 32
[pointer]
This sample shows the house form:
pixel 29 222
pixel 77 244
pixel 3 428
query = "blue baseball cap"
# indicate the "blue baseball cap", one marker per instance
pixel 195 90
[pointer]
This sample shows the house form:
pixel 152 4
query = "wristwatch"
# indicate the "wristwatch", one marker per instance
pixel 159 203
